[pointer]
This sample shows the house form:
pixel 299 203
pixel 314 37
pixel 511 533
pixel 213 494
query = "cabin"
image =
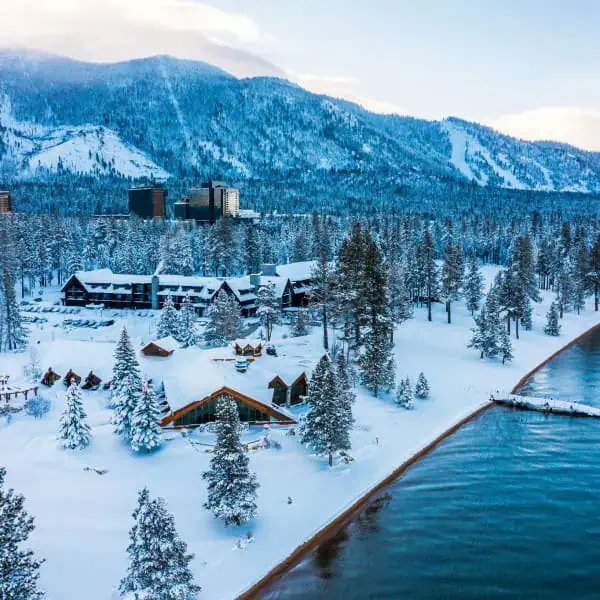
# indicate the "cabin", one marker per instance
pixel 289 395
pixel 250 409
pixel 92 382
pixel 248 348
pixel 300 276
pixel 162 348
pixel 71 377
pixel 50 377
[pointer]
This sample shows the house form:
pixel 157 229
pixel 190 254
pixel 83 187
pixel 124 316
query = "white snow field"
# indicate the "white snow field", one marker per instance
pixel 83 518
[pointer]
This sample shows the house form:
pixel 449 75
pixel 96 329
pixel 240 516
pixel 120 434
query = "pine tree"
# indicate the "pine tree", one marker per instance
pixel 145 428
pixel 231 486
pixel 473 288
pixel 326 428
pixel 19 569
pixel 401 308
pixel 186 333
pixel 125 402
pixel 428 270
pixel 300 323
pixel 269 308
pixel 125 364
pixel 404 394
pixel 159 565
pixel 422 387
pixel 168 321
pixel 224 324
pixel 13 336
pixel 479 338
pixel 74 432
pixel 323 293
pixel 594 273
pixel 452 276
pixel 552 323
pixel 377 360
pixel 505 345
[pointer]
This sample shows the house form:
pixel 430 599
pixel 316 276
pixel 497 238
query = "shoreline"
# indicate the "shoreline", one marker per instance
pixel 342 518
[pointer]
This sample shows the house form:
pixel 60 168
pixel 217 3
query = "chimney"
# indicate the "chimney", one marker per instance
pixel 255 279
pixel 268 269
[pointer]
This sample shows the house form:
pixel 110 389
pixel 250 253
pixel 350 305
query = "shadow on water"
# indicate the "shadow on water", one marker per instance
pixel 505 508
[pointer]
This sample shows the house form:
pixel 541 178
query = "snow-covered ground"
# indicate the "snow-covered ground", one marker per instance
pixel 82 518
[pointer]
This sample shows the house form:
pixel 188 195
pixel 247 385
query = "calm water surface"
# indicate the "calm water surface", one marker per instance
pixel 508 507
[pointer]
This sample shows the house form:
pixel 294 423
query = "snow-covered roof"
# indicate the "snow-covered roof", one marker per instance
pixel 298 271
pixel 168 343
pixel 246 341
pixel 278 283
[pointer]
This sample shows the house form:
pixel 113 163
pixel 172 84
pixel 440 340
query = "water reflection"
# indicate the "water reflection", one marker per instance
pixel 505 508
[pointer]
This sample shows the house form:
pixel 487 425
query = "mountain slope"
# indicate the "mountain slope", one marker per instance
pixel 161 116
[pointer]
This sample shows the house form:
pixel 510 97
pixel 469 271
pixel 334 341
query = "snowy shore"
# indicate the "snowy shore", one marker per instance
pixel 82 518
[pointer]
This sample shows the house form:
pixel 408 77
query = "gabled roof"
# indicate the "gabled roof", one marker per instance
pixel 298 271
pixel 169 343
pixel 280 414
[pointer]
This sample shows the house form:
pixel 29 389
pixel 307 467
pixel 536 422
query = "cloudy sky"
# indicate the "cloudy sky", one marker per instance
pixel 530 68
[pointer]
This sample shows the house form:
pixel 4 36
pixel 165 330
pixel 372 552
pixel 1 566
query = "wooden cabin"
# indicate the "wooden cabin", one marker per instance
pixel 248 348
pixel 289 395
pixel 204 411
pixel 162 348
pixel 92 382
pixel 50 377
pixel 70 377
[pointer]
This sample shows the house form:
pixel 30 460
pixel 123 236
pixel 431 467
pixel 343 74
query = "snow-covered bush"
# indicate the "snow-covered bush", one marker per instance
pixel 38 407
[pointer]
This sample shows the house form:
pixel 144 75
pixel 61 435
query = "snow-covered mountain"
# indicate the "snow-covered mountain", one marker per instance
pixel 163 117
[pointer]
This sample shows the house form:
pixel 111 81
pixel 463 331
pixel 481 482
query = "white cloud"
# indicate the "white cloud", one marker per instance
pixel 577 126
pixel 111 30
pixel 348 88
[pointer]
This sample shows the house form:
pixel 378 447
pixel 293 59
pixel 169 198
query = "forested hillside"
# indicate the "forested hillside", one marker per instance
pixel 74 135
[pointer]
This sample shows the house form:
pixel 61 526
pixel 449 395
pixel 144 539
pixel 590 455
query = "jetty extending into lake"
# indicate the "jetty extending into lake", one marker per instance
pixel 550 405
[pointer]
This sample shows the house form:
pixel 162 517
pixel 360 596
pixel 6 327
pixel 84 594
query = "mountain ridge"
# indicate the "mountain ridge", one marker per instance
pixel 166 117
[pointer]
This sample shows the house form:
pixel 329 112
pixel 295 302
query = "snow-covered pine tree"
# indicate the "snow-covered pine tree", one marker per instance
pixel 231 485
pixel 225 320
pixel 401 308
pixel 473 286
pixel 505 349
pixel 552 326
pixel 479 338
pixel 452 276
pixel 422 387
pixel 159 564
pixel 125 363
pixel 168 321
pixel 527 317
pixel 323 293
pixel 427 269
pixel 125 402
pixel 300 323
pixel 74 432
pixel 13 336
pixel 346 397
pixel 269 308
pixel 19 569
pixel 187 334
pixel 145 428
pixel 404 394
pixel 377 360
pixel 326 427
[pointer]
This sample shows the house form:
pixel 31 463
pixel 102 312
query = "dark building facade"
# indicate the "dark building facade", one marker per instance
pixel 5 202
pixel 148 202
pixel 208 203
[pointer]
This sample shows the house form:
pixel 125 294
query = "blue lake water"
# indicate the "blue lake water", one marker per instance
pixel 508 507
